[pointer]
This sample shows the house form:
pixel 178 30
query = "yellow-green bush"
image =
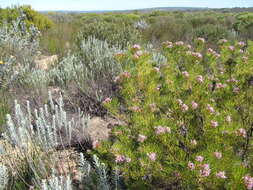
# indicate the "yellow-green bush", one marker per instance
pixel 188 122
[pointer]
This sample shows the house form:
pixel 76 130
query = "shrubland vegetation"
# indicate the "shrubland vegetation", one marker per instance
pixel 180 83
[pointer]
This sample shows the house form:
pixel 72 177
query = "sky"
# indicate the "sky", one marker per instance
pixel 87 5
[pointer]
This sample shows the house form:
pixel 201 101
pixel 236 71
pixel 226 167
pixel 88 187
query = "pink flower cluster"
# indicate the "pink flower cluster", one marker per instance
pixel 242 44
pixel 184 107
pixel 231 48
pixel 186 74
pixel 107 100
pixel 221 175
pixel 214 124
pixel 205 171
pixel 168 44
pixel 136 47
pixel 199 158
pixel 223 41
pixel 152 156
pixel 161 130
pixel 122 159
pixel 210 109
pixel 195 54
pixel 194 105
pixel 232 80
pixel 200 78
pixel 135 109
pixel 138 54
pixel 214 53
pixel 248 181
pixel 179 43
pixel 191 166
pixel 141 138
pixel 218 155
pixel 220 85
pixel 236 90
pixel 241 132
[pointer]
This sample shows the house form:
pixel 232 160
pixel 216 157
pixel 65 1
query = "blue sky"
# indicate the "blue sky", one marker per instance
pixel 123 4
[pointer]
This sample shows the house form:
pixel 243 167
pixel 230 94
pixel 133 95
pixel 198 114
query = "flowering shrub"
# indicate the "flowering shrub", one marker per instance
pixel 189 120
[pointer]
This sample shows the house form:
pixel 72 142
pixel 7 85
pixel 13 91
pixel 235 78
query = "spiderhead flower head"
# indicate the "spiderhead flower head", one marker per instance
pixel 221 175
pixel 141 138
pixel 152 156
pixel 218 155
pixel 191 166
pixel 199 158
pixel 107 100
pixel 248 181
pixel 214 124
pixel 194 105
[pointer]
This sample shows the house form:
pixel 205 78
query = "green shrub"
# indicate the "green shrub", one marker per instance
pixel 188 122
pixel 116 34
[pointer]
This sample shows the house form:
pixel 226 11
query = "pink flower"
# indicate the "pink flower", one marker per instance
pixel 248 181
pixel 221 175
pixel 210 108
pixel 197 55
pixel 223 41
pixel 242 44
pixel 232 80
pixel 135 109
pixel 241 132
pixel 241 51
pixel 191 166
pixel 126 74
pixel 220 85
pixel 161 130
pixel 120 159
pixel 141 138
pixel 228 119
pixel 194 105
pixel 214 124
pixel 189 46
pixel 95 144
pixel 218 155
pixel 200 78
pixel 193 142
pixel 184 107
pixel 180 43
pixel 186 74
pixel 205 172
pixel 236 90
pixel 231 48
pixel 199 158
pixel 136 56
pixel 136 47
pixel 107 100
pixel 152 156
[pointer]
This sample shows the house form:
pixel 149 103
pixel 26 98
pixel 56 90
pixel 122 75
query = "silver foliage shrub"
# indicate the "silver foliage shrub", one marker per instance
pixel 42 127
pixel 57 183
pixel 18 49
pixel 4 176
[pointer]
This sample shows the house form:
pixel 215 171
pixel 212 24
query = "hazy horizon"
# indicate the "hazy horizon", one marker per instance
pixel 99 5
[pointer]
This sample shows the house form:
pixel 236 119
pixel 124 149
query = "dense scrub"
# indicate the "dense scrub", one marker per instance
pixel 185 106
